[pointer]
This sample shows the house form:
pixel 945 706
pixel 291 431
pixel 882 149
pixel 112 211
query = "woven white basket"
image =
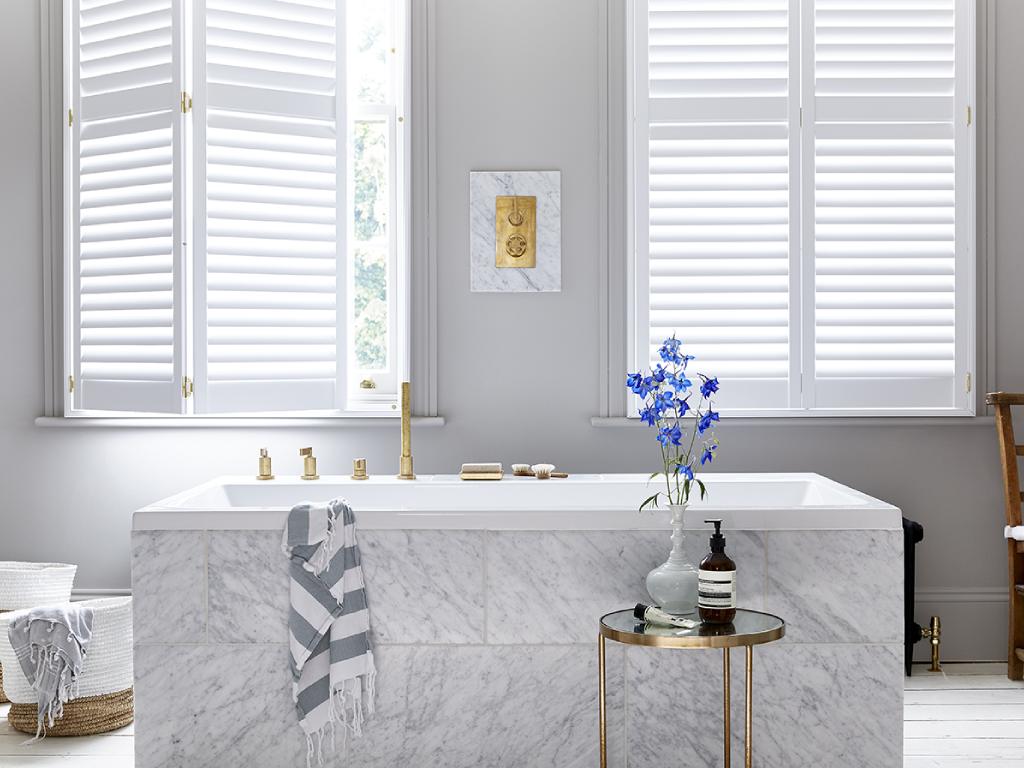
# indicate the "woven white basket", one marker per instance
pixel 26 585
pixel 108 659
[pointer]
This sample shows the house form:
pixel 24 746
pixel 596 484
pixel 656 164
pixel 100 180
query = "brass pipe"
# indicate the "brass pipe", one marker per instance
pixel 934 634
pixel 405 471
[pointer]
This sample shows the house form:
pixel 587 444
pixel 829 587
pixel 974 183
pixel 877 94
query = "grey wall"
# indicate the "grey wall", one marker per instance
pixel 507 392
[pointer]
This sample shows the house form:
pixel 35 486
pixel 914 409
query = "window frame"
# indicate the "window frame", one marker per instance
pixel 359 406
pixel 633 100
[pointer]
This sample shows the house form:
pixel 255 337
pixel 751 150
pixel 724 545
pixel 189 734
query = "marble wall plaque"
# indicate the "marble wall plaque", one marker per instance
pixel 484 188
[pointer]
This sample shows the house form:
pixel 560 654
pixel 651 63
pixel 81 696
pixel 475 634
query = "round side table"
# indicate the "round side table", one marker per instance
pixel 748 629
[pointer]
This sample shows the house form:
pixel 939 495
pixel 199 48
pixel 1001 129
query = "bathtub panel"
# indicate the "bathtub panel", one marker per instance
pixel 424 586
pixel 837 586
pixel 169 586
pixel 461 707
pixel 248 587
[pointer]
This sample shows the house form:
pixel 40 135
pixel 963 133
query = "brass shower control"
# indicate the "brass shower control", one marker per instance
pixel 515 233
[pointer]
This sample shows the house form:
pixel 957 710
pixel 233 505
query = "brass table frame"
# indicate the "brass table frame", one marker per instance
pixel 723 641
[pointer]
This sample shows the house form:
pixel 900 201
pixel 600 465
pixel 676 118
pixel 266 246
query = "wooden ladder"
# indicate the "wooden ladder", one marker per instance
pixel 1009 450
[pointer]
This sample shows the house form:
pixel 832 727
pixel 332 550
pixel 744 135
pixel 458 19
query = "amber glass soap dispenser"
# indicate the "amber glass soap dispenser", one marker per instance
pixel 716 586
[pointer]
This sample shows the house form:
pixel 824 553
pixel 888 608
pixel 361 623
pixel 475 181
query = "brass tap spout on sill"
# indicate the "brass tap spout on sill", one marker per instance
pixel 308 464
pixel 405 460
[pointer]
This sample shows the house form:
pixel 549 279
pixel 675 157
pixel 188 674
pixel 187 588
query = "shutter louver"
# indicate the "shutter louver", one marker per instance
pixel 718 227
pixel 884 203
pixel 269 263
pixel 124 206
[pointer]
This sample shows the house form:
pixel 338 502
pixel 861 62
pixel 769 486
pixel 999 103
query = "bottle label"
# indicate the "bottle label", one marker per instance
pixel 716 589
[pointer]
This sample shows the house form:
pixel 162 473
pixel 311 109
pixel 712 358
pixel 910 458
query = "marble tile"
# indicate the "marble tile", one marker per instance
pixel 814 705
pixel 484 187
pixel 836 586
pixel 169 586
pixel 553 586
pixel 424 586
pixel 544 586
pixel 248 587
pixel 215 705
pixel 461 707
pixel 828 705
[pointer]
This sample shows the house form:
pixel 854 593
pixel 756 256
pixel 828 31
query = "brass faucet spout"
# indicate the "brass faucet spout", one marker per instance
pixel 405 471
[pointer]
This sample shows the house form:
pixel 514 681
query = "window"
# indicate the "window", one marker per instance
pixel 803 191
pixel 235 197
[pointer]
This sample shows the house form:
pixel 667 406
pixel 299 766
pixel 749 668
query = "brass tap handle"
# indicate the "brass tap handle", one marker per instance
pixel 266 473
pixel 308 464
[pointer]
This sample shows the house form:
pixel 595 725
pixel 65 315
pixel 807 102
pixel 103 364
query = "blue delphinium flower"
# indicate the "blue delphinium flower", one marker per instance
pixel 665 393
pixel 709 386
pixel 680 382
pixel 669 351
pixel 664 401
pixel 705 421
pixel 670 435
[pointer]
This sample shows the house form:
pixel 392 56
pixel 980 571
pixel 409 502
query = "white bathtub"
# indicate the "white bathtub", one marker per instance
pixel 581 502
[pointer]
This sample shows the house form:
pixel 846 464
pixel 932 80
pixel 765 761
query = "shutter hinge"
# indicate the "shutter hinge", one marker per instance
pixel 967 382
pixel 71 383
pixel 186 102
pixel 71 117
pixel 801 116
pixel 186 387
pixel 969 115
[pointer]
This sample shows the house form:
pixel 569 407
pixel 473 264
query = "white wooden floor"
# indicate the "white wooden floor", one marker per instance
pixel 968 715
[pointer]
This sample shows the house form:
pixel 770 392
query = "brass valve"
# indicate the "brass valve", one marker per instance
pixel 266 473
pixel 934 635
pixel 308 464
pixel 359 469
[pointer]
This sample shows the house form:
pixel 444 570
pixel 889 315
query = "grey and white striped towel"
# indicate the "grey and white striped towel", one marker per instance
pixel 329 623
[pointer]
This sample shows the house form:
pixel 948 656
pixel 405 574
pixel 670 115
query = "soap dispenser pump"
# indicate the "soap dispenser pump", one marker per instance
pixel 716 582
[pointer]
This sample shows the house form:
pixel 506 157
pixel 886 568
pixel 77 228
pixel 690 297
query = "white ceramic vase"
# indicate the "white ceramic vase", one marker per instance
pixel 673 584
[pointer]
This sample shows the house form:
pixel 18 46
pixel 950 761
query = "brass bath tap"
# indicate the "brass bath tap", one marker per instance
pixel 405 460
pixel 308 464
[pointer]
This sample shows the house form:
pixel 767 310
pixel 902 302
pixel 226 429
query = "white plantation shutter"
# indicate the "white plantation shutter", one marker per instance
pixel 884 206
pixel 124 205
pixel 714 135
pixel 269 160
pixel 803 199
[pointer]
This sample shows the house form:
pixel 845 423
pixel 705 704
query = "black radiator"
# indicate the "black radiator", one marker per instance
pixel 913 533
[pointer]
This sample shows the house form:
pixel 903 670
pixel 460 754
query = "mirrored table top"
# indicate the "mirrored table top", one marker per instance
pixel 748 628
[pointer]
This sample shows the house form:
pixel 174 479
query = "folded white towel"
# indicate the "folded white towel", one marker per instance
pixel 1016 532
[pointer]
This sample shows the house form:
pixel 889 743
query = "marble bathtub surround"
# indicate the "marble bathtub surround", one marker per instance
pixel 476 669
pixel 484 188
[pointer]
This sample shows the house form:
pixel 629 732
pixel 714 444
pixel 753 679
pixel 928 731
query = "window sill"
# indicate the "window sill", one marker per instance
pixel 604 422
pixel 340 421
